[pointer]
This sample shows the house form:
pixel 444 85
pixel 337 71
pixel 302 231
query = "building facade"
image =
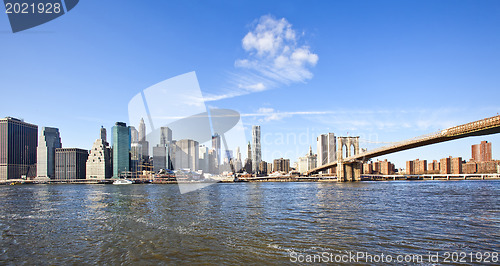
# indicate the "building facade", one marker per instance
pixel 326 148
pixel 49 141
pixel 281 165
pixel 186 154
pixel 256 148
pixel 307 162
pixel 18 148
pixel 121 149
pixel 481 152
pixel 99 160
pixel 70 163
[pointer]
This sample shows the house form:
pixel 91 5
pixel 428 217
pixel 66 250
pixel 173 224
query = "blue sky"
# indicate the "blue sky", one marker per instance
pixel 384 70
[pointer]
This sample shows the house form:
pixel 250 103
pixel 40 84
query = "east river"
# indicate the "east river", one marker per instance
pixel 251 223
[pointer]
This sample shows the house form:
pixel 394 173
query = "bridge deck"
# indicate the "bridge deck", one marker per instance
pixel 487 126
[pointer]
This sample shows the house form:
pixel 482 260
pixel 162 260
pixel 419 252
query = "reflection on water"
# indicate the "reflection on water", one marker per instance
pixel 243 222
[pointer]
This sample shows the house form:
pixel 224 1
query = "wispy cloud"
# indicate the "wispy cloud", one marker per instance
pixel 382 119
pixel 275 56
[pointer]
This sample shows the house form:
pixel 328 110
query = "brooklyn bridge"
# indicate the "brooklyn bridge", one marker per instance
pixel 348 166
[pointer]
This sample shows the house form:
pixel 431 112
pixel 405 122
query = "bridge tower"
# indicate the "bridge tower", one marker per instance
pixel 348 171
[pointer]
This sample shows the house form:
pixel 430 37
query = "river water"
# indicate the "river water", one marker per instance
pixel 247 223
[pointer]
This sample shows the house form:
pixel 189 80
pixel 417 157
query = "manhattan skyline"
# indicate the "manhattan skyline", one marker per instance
pixel 386 71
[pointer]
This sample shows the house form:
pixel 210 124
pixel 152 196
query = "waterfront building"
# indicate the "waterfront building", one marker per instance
pixel 203 163
pixel 307 162
pixel 186 154
pixel 269 168
pixel 257 153
pixel 216 145
pixel 142 140
pixel 165 135
pixel 159 158
pixel 48 142
pixel 327 148
pixel 212 161
pixel 263 167
pixel 121 149
pixel 238 164
pixel 134 135
pixel 386 168
pixel 481 152
pixel 18 148
pixel 410 168
pixel 281 165
pixel 248 161
pixel 99 160
pixel 70 163
pixel 367 168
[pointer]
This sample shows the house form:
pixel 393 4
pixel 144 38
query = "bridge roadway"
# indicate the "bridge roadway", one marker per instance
pixel 481 127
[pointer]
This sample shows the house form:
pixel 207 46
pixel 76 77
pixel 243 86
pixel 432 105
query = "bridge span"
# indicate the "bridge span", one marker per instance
pixel 349 168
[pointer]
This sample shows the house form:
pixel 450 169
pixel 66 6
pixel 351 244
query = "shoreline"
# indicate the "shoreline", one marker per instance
pixel 484 177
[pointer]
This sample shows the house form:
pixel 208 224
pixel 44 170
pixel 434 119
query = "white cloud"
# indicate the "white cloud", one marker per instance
pixel 274 52
pixel 275 57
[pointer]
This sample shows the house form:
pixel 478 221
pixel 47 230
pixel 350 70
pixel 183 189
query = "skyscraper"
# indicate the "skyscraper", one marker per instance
pixel 121 149
pixel 307 162
pixel 256 155
pixel 165 136
pixel 18 148
pixel 134 135
pixel 142 139
pixel 70 163
pixel 48 142
pixel 481 152
pixel 327 149
pixel 99 160
pixel 187 154
pixel 217 147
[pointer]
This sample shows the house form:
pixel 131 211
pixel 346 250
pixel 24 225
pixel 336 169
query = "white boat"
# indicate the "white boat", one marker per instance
pixel 122 182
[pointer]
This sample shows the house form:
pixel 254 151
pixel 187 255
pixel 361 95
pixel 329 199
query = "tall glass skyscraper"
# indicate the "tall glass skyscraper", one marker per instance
pixel 49 141
pixel 121 149
pixel 18 143
pixel 257 154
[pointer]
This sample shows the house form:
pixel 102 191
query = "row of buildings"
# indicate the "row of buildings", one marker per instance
pixel 25 154
pixel 480 163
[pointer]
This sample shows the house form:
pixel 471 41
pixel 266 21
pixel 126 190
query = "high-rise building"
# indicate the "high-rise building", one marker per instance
pixel 142 140
pixel 248 160
pixel 216 145
pixel 187 154
pixel 281 165
pixel 165 136
pixel 327 148
pixel 99 160
pixel 121 149
pixel 18 148
pixel 48 142
pixel 70 163
pixel 134 135
pixel 307 162
pixel 481 152
pixel 160 158
pixel 257 153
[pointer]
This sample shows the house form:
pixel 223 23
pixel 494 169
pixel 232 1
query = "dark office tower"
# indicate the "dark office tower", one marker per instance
pixel 49 141
pixel 121 149
pixel 71 163
pixel 18 143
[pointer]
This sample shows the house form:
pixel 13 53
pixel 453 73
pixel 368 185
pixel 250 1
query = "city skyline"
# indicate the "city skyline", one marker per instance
pixel 388 71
